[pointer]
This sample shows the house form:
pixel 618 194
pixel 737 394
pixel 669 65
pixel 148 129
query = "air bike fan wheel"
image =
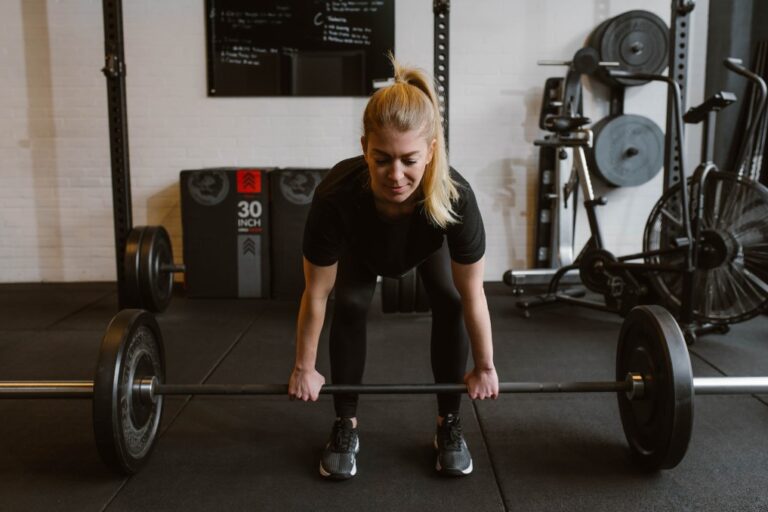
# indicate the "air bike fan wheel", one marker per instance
pixel 731 277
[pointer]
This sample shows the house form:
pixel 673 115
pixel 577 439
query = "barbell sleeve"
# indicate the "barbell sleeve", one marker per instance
pixel 730 385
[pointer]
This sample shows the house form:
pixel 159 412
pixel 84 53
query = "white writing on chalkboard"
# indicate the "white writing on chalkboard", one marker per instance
pixel 347 35
pixel 370 6
pixel 297 47
pixel 237 52
pixel 248 20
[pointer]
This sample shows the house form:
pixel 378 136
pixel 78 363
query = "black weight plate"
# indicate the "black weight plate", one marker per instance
pixel 628 150
pixel 637 40
pixel 658 426
pixel 593 275
pixel 389 295
pixel 124 426
pixel 407 291
pixel 131 266
pixel 422 299
pixel 156 285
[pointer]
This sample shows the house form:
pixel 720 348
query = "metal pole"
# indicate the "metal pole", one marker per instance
pixel 633 384
pixel 730 385
pixel 114 71
pixel 46 389
pixel 441 51
pixel 372 389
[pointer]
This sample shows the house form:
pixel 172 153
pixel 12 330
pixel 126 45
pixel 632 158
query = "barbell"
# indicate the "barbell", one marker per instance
pixel 654 384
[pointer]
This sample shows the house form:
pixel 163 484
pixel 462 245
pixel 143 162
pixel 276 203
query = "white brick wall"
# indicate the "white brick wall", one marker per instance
pixel 55 195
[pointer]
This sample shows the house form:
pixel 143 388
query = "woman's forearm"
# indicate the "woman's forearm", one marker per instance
pixel 478 322
pixel 310 324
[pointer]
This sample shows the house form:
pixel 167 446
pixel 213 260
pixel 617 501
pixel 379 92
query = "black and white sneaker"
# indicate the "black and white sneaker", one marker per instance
pixel 339 459
pixel 453 457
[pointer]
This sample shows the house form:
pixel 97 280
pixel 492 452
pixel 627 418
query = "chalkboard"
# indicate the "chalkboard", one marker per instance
pixel 298 47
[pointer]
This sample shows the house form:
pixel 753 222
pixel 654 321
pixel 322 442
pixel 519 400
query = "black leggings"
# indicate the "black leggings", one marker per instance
pixel 355 285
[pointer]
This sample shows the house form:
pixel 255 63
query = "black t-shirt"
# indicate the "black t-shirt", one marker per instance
pixel 343 218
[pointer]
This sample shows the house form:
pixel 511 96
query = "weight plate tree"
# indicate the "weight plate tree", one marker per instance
pixel 637 40
pixel 654 384
pixel 731 278
pixel 628 150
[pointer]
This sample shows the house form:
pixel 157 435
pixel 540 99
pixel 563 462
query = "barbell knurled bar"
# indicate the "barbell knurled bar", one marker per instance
pixel 148 388
pixel 655 397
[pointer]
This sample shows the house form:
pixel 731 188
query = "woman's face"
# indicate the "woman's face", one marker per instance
pixel 396 162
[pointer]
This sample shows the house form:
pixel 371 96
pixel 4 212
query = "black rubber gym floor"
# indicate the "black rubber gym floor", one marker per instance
pixel 531 452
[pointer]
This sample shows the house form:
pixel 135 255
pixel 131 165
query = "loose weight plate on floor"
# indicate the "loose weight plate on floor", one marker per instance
pixel 124 425
pixel 658 426
pixel 149 286
pixel 628 150
pixel 637 40
pixel 156 283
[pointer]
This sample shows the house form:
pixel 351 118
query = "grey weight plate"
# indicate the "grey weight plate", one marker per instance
pixel 628 150
pixel 637 40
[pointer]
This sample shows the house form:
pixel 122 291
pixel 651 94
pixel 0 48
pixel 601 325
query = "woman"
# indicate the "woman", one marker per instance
pixel 396 207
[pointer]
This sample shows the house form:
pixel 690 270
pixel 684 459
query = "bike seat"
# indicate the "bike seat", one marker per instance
pixel 565 123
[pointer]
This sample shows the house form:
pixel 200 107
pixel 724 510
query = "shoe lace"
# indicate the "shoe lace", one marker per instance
pixel 343 438
pixel 451 433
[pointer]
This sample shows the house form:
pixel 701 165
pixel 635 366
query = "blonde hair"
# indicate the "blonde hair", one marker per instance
pixel 411 104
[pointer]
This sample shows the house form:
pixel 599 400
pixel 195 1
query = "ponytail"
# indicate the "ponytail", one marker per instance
pixel 411 104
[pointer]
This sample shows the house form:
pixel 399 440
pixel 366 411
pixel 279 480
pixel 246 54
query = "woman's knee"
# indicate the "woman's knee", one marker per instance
pixel 352 304
pixel 447 302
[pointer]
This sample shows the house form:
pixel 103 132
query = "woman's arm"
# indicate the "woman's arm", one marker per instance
pixel 482 381
pixel 305 381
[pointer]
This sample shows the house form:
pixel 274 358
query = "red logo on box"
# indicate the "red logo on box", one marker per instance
pixel 248 181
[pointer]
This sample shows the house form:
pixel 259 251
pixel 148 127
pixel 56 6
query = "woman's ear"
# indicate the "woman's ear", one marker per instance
pixel 364 144
pixel 431 150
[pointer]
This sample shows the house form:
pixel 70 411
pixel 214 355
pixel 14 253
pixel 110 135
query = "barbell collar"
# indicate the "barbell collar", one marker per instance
pixel 46 389
pixel 730 385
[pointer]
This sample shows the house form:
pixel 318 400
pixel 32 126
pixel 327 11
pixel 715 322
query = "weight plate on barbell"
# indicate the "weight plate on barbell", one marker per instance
pixel 628 150
pixel 636 40
pixel 125 426
pixel 658 426
pixel 156 285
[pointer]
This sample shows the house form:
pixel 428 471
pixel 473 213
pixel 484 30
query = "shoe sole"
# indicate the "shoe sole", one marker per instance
pixel 341 476
pixel 451 472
